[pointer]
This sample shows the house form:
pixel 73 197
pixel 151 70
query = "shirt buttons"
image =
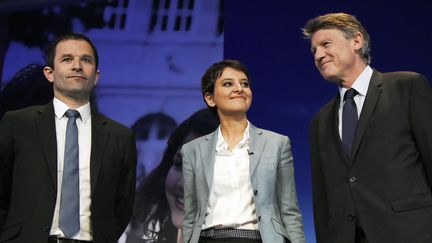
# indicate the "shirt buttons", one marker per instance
pixel 255 192
pixel 352 179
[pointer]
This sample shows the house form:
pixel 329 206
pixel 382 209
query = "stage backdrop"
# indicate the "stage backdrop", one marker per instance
pixel 153 53
pixel 287 88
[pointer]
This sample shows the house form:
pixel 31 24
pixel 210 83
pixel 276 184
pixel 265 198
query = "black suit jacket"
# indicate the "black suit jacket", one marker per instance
pixel 385 184
pixel 28 175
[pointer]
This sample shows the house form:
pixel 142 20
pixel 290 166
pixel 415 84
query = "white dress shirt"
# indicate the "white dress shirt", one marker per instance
pixel 231 202
pixel 84 143
pixel 361 85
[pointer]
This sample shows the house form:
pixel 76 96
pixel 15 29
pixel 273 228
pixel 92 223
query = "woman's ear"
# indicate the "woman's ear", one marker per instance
pixel 208 97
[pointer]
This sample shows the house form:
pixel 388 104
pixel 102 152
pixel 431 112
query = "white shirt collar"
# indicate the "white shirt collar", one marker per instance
pixel 60 108
pixel 361 84
pixel 222 145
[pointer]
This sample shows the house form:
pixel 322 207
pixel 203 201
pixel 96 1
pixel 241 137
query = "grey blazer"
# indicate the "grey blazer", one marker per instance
pixel 272 179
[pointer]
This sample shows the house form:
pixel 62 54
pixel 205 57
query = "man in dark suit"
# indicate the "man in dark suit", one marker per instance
pixel 371 145
pixel 67 173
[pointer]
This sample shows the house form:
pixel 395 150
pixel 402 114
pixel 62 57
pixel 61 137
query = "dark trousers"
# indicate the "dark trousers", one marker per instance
pixel 212 240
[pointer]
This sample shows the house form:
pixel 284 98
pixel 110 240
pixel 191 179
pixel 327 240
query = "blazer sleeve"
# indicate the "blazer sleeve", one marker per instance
pixel 190 202
pixel 287 195
pixel 126 187
pixel 421 120
pixel 319 195
pixel 6 165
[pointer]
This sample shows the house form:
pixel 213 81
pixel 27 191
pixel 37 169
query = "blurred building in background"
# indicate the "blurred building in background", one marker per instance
pixel 152 52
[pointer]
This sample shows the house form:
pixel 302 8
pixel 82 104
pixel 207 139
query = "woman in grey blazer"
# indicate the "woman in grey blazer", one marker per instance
pixel 239 180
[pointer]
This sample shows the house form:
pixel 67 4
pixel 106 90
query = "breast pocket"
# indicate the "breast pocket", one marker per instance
pixel 413 202
pixel 266 169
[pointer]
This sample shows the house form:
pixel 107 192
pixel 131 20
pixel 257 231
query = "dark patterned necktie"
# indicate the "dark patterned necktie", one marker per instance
pixel 69 203
pixel 349 119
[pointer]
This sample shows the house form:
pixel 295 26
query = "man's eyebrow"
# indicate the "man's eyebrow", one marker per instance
pixel 66 55
pixel 88 56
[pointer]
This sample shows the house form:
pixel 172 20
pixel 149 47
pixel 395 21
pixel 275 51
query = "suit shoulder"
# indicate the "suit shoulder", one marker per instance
pixel 404 80
pixel 402 76
pixel 24 113
pixel 196 142
pixel 274 136
pixel 115 126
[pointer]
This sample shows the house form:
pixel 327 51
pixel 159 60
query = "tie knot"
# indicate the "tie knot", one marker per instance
pixel 72 113
pixel 349 94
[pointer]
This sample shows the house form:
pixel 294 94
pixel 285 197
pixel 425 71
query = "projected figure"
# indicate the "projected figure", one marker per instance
pixel 158 213
pixel 151 133
pixel 28 87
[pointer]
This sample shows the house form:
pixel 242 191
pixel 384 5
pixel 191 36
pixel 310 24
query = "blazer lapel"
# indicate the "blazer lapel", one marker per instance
pixel 99 138
pixel 334 130
pixel 256 146
pixel 208 154
pixel 372 96
pixel 45 125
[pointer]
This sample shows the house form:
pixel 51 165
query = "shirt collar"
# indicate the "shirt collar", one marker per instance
pixel 222 145
pixel 60 108
pixel 361 84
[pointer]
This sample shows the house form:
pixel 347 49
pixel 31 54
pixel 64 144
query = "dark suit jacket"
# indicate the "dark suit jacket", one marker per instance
pixel 28 175
pixel 385 185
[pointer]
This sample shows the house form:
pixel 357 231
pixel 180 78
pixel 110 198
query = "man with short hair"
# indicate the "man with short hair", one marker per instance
pixel 371 145
pixel 67 173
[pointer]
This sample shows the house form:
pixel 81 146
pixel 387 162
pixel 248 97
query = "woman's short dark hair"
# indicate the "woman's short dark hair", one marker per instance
pixel 215 71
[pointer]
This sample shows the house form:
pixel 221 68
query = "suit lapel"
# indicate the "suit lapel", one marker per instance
pixel 256 145
pixel 208 155
pixel 334 130
pixel 372 96
pixel 45 125
pixel 99 138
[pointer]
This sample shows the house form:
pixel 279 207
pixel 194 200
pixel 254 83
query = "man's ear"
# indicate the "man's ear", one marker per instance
pixel 208 97
pixel 97 76
pixel 48 72
pixel 358 41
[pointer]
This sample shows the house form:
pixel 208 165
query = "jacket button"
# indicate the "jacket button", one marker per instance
pixel 352 179
pixel 47 228
pixel 351 218
pixel 255 192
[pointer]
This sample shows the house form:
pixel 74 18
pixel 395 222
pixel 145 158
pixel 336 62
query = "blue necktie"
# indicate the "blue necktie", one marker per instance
pixel 69 203
pixel 349 119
